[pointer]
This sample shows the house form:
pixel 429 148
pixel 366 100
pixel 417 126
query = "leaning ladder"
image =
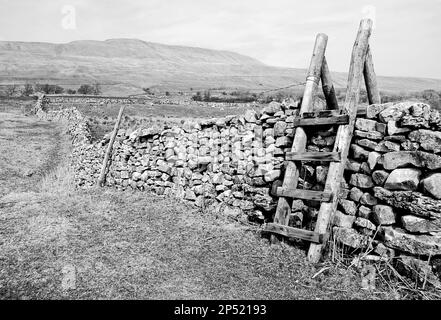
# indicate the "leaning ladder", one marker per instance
pixel 344 118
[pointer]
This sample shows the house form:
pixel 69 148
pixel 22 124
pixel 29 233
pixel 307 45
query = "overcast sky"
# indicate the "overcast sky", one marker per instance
pixel 405 42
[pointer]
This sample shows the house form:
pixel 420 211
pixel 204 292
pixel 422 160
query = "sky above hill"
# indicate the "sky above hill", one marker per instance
pixel 405 42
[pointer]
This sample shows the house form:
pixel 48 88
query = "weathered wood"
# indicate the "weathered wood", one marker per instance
pixel 103 172
pixel 370 79
pixel 344 134
pixel 341 119
pixel 328 87
pixel 292 171
pixel 304 194
pixel 313 156
pixel 291 232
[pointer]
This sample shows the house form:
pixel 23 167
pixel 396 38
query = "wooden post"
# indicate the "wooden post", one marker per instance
pixel 102 177
pixel 370 79
pixel 328 87
pixel 299 144
pixel 344 134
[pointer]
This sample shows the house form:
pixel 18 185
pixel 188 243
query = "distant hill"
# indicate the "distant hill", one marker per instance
pixel 125 66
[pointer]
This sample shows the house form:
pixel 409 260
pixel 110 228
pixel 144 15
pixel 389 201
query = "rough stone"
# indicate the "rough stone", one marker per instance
pixel 393 160
pixel 364 223
pixel 364 212
pixel 414 244
pixel 379 177
pixel 393 129
pixel 432 185
pixel 348 206
pixel 368 199
pixel 365 124
pixel 272 108
pixel 403 179
pixel 373 159
pixel 361 180
pixel 383 215
pixel 355 194
pixel 428 140
pixel 420 225
pixel 411 202
pixel 343 220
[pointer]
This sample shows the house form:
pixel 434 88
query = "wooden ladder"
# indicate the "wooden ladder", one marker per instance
pixel 344 118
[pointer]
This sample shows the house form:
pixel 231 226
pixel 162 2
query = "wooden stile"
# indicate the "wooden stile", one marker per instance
pixel 292 171
pixel 344 134
pixel 102 177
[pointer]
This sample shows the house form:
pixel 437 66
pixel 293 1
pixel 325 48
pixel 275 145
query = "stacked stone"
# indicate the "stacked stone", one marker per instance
pixel 394 200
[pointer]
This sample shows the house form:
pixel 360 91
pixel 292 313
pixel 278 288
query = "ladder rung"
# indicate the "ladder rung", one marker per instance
pixel 317 121
pixel 324 196
pixel 291 232
pixel 313 156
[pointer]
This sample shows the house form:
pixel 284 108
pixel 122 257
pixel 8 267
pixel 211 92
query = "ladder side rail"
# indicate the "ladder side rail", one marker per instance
pixel 299 144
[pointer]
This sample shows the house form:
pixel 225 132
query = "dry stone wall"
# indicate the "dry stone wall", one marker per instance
pixel 390 204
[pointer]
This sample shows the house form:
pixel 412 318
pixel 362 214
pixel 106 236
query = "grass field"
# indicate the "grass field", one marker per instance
pixel 57 242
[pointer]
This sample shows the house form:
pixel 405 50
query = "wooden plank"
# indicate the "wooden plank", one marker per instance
pixel 313 156
pixel 303 194
pixel 299 143
pixel 344 134
pixel 291 232
pixel 328 87
pixel 341 119
pixel 370 79
pixel 103 172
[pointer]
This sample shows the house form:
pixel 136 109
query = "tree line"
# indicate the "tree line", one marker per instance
pixel 28 89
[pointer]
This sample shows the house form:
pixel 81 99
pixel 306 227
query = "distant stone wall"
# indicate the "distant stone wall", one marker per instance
pixel 390 205
pixel 95 100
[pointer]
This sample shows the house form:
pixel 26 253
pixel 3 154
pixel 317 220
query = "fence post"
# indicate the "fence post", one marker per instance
pixel 102 177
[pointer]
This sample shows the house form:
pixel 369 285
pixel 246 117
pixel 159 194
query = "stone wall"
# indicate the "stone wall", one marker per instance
pixel 95 100
pixel 390 205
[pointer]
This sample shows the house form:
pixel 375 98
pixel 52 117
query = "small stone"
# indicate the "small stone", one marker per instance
pixel 432 185
pixel 365 124
pixel 373 159
pixel 355 194
pixel 393 160
pixel 429 140
pixel 279 128
pixel 368 199
pixel 373 135
pixel 321 174
pixel 349 207
pixel 272 108
pixel 352 166
pixel 361 180
pixel 343 220
pixel 190 195
pixel 250 116
pixel 366 143
pixel 403 179
pixel 393 129
pixel 272 175
pixel 379 177
pixel 364 223
pixel 358 153
pixel 364 212
pixel 283 141
pixel 374 109
pixel 383 215
pixel 387 146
